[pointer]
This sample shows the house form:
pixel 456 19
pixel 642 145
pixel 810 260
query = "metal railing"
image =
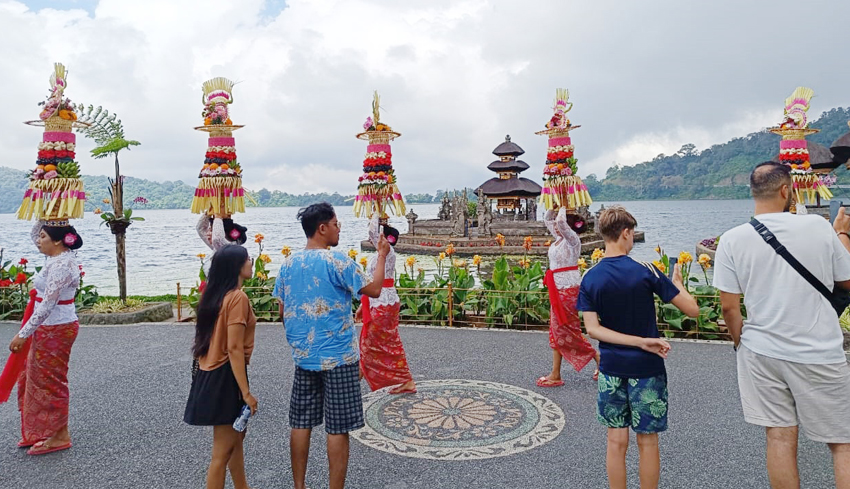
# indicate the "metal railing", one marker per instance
pixel 502 309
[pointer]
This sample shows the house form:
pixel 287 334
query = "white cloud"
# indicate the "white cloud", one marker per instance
pixel 454 76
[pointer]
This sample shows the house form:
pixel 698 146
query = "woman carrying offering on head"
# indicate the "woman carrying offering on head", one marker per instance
pixel 224 342
pixel 382 359
pixel 42 348
pixel 563 279
pixel 218 232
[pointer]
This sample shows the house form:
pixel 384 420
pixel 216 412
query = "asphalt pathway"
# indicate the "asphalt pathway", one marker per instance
pixel 129 386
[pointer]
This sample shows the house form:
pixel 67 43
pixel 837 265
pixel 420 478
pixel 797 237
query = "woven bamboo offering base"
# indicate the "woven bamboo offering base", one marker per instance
pixel 222 193
pixel 57 198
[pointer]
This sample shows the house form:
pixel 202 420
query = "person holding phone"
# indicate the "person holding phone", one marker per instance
pixel 617 297
pixel 224 342
pixel 382 359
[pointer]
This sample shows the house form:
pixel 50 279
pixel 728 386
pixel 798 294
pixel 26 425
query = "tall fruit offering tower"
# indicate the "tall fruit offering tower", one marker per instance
pixel 220 187
pixel 377 189
pixel 793 149
pixel 55 193
pixel 562 186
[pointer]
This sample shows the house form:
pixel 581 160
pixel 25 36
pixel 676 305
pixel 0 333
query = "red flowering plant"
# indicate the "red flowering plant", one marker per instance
pixel 87 295
pixel 15 283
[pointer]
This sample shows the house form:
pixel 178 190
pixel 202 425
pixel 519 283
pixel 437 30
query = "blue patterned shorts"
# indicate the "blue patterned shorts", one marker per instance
pixel 637 403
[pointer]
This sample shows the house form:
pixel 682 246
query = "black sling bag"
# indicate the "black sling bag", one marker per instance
pixel 839 298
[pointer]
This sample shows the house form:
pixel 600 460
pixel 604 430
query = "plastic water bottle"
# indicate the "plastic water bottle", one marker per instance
pixel 242 421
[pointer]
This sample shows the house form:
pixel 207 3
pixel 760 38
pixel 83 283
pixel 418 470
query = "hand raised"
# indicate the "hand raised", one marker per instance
pixel 383 246
pixel 842 222
pixel 677 274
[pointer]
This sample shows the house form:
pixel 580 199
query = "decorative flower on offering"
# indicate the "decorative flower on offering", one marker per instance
pixel 377 189
pixel 55 190
pixel 561 183
pixel 220 187
pixel 794 152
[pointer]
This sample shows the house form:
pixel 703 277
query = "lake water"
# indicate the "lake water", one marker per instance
pixel 161 251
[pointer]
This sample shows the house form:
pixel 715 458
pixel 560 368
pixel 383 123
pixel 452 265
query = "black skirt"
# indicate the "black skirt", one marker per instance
pixel 215 398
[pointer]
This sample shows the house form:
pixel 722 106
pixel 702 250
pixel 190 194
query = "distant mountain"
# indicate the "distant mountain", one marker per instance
pixel 719 172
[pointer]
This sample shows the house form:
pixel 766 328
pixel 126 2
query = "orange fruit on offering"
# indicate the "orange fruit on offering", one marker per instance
pixel 49 168
pixel 214 166
pixel 224 166
pixel 39 167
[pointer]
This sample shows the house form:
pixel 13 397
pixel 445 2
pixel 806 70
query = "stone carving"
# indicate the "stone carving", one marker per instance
pixel 411 219
pixel 532 209
pixel 482 210
pixel 458 215
pixel 445 208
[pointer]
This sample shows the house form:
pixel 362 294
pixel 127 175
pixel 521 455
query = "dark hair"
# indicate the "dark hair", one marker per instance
pixel 577 223
pixel 613 221
pixel 229 226
pixel 314 215
pixel 58 233
pixel 391 234
pixel 767 178
pixel 226 265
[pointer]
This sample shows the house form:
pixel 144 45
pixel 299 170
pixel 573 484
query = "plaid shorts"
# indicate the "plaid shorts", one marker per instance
pixel 333 393
pixel 637 403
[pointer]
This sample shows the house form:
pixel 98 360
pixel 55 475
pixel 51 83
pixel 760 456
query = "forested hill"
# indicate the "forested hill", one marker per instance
pixel 719 172
pixel 171 195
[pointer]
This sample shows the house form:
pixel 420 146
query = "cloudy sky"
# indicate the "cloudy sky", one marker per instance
pixel 455 76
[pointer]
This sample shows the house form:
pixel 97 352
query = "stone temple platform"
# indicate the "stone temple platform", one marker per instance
pixel 431 236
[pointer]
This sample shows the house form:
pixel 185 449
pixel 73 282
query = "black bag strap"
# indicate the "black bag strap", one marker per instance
pixel 780 249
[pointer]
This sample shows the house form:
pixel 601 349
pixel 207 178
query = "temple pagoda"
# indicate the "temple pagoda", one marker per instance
pixel 514 195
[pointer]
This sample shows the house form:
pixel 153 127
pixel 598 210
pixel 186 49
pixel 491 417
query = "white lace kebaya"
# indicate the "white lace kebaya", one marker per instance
pixel 565 251
pixel 57 281
pixel 388 295
pixel 219 239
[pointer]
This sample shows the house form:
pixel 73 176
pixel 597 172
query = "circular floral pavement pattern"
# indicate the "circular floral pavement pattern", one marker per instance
pixel 457 419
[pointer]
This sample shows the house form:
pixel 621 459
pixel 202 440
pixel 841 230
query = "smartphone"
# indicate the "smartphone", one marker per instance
pixel 834 205
pixel 673 261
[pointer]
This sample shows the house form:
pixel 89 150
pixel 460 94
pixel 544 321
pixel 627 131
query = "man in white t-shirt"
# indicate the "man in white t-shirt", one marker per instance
pixel 791 364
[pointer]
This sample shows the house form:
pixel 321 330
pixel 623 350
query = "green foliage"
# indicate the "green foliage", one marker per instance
pixel 106 130
pixel 115 305
pixel 15 283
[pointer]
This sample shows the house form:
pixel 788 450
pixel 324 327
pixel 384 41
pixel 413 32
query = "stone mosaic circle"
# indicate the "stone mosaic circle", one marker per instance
pixel 457 419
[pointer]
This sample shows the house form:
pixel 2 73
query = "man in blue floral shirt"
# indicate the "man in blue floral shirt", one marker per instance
pixel 315 288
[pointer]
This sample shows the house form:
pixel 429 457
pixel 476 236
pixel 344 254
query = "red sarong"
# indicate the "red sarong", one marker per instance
pixel 43 386
pixel 17 360
pixel 382 358
pixel 565 325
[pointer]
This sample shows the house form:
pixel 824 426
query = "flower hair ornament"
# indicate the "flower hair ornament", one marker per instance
pixel 234 234
pixel 69 239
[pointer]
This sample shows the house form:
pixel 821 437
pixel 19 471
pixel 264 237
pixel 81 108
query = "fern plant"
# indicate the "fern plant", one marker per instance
pixel 108 134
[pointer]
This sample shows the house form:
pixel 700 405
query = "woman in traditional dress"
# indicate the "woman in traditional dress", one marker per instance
pixel 563 279
pixel 42 348
pixel 382 359
pixel 218 232
pixel 224 342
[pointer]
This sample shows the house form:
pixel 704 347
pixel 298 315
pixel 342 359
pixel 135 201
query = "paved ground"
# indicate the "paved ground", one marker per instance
pixel 129 386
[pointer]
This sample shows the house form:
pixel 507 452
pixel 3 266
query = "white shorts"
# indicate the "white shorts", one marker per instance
pixel 777 393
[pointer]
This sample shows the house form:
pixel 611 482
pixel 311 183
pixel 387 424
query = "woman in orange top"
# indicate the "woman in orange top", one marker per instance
pixel 224 341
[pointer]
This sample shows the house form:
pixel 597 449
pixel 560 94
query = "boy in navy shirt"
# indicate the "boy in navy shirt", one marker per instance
pixel 616 296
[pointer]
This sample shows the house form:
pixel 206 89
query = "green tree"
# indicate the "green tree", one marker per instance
pixel 108 134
